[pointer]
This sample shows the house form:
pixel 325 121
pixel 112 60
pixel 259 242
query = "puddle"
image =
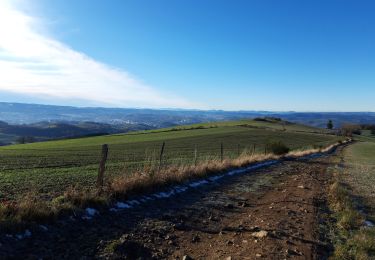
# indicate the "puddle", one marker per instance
pixel 369 223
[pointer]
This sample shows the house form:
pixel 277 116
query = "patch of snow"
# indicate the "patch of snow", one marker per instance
pixel 369 223
pixel 91 212
pixel 133 202
pixel 27 233
pixel 180 189
pixel 44 228
pixel 24 235
pixel 241 171
pixel 166 195
pixel 198 183
pixel 122 205
pixel 233 172
pixel 230 173
pixel 157 195
pixel 215 178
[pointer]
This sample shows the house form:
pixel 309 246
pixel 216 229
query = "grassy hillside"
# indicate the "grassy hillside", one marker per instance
pixel 354 200
pixel 50 167
pixel 360 159
pixel 43 131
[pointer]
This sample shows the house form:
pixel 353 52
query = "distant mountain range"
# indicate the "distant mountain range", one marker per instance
pixel 50 122
pixel 18 113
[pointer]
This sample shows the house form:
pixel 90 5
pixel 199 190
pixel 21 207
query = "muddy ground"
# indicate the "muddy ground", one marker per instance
pixel 271 213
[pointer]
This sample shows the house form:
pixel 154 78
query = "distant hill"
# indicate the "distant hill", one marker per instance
pixel 51 122
pixel 19 113
pixel 41 131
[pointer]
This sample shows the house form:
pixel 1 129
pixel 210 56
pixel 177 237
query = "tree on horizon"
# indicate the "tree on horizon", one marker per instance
pixel 330 124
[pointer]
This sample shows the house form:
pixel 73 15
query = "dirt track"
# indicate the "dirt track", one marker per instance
pixel 271 213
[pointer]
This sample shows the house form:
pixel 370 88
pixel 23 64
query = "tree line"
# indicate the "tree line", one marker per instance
pixel 351 129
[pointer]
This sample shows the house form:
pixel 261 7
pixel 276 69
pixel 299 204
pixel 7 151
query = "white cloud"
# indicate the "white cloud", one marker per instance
pixel 32 63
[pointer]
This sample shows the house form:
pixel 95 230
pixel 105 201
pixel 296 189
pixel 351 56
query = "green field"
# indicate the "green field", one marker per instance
pixel 360 172
pixel 48 168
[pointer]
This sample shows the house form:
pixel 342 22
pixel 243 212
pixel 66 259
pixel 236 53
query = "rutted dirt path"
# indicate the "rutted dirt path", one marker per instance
pixel 271 213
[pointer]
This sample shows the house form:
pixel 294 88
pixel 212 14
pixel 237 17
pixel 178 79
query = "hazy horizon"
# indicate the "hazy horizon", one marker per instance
pixel 186 109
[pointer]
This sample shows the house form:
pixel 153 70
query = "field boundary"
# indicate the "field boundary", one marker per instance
pixel 166 193
pixel 118 196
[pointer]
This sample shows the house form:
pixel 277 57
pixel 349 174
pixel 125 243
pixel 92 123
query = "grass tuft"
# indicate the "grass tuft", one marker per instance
pixel 83 198
pixel 361 246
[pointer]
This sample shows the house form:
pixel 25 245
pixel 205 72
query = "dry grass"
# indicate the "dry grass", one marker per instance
pixel 299 153
pixel 83 198
pixel 28 210
pixel 339 197
pixel 151 178
pixel 360 246
pixel 352 240
pixel 341 202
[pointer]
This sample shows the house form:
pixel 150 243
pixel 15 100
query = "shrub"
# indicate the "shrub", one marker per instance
pixel 278 148
pixel 261 119
pixel 350 130
pixel 330 124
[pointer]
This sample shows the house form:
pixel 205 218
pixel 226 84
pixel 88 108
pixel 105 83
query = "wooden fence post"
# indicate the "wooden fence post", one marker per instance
pixel 100 180
pixel 253 149
pixel 221 152
pixel 161 154
pixel 195 155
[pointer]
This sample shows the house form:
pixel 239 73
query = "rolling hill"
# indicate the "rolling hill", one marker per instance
pixel 51 167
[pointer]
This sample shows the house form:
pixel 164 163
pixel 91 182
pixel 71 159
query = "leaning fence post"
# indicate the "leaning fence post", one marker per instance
pixel 100 180
pixel 221 152
pixel 161 154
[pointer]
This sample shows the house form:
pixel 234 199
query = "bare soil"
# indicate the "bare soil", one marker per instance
pixel 272 213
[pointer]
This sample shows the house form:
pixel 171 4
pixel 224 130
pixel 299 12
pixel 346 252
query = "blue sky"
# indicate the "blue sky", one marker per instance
pixel 233 55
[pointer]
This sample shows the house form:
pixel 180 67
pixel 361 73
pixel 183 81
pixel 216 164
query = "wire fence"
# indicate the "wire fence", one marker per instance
pixel 133 157
pixel 128 156
pixel 50 171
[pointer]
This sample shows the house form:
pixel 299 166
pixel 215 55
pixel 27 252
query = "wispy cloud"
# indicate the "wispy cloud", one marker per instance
pixel 34 63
